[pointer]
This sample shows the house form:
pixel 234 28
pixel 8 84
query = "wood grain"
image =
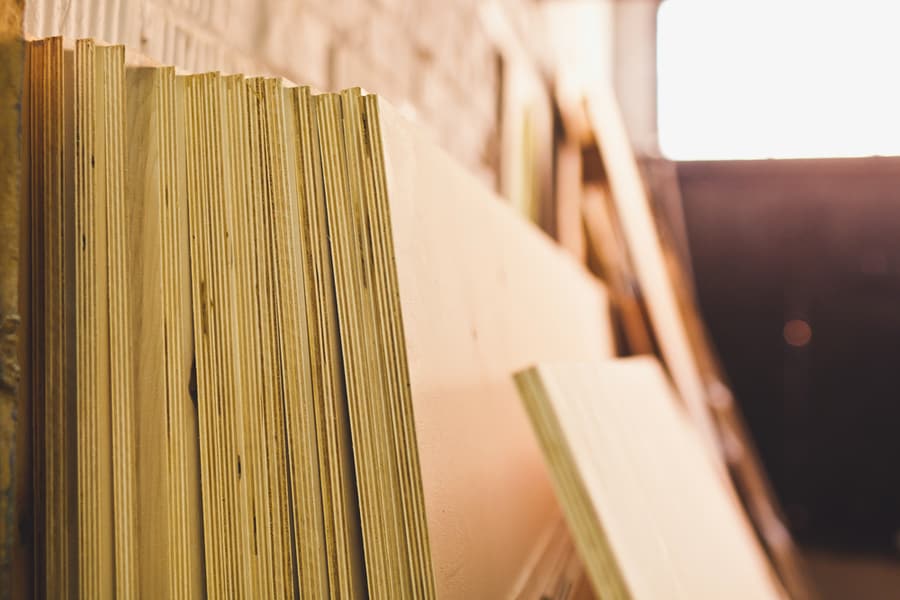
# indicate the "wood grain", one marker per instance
pixel 343 544
pixel 94 419
pixel 215 332
pixel 168 488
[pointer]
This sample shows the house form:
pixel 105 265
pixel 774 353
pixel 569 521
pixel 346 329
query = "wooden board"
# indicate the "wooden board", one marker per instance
pixel 93 181
pixel 340 503
pixel 651 515
pixel 260 92
pixel 634 215
pixel 378 514
pixel 215 331
pixel 168 508
pixel 463 293
pixel 683 342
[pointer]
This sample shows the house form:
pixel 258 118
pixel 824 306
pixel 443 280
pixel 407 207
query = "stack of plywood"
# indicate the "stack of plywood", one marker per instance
pixel 273 334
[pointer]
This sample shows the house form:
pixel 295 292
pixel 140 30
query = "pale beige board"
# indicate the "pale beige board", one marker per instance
pixel 473 294
pixel 168 501
pixel 112 84
pixel 339 497
pixel 292 274
pixel 259 92
pixel 343 242
pixel 146 322
pixel 646 503
pixel 224 310
pixel 95 468
pixel 226 535
pixel 373 347
pixel 181 383
pixel 643 242
pixel 254 461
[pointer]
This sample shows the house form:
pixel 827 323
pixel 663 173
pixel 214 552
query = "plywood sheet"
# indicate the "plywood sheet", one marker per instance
pixel 650 513
pixel 165 418
pixel 475 294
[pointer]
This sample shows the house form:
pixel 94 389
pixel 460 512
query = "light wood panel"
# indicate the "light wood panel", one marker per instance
pixel 294 324
pixel 463 293
pixel 293 272
pixel 642 240
pixel 254 460
pixel 215 331
pixel 682 340
pixel 94 418
pixel 260 93
pixel 644 499
pixel 378 515
pixel 165 418
pixel 110 83
pixel 343 543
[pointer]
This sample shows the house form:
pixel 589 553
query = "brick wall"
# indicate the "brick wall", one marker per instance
pixel 430 58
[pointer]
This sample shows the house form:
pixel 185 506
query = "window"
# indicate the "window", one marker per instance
pixel 778 78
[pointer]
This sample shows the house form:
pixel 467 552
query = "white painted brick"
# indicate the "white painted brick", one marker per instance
pixel 298 43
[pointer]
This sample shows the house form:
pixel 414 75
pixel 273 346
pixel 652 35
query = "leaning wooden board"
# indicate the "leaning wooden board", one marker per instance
pixel 684 345
pixel 480 295
pixel 650 513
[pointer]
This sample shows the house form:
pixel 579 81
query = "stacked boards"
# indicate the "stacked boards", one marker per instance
pixel 462 294
pixel 49 241
pixel 650 513
pixel 275 342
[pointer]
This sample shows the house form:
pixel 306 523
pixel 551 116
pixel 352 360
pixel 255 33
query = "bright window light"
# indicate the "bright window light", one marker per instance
pixel 741 79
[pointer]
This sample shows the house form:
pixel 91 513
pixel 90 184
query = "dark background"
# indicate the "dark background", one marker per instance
pixel 816 240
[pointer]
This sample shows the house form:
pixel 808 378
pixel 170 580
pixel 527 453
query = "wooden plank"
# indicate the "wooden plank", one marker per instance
pixel 94 419
pixel 181 375
pixel 683 342
pixel 291 274
pixel 455 285
pixel 166 453
pixel 343 542
pixel 635 217
pixel 347 271
pixel 650 512
pixel 254 465
pixel 110 84
pixel 260 93
pixel 613 260
pixel 215 333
